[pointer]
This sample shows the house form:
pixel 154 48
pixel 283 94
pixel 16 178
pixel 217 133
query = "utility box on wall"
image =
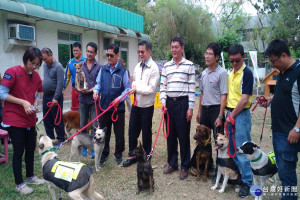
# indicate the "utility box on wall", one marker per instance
pixel 21 32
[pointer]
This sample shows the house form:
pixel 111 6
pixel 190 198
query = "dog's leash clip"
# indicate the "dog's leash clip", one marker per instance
pixel 149 157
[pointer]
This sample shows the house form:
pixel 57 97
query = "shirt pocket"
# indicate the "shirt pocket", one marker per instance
pixel 116 81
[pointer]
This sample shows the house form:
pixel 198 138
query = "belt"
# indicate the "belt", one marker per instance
pixel 49 93
pixel 231 109
pixel 177 98
pixel 211 106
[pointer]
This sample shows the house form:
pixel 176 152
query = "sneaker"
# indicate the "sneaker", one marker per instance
pixel 92 154
pixel 131 160
pixel 244 190
pixel 84 151
pixel 119 160
pixel 35 180
pixel 103 159
pixel 24 189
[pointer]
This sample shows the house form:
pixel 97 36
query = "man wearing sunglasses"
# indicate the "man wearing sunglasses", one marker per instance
pixel 285 115
pixel 112 83
pixel 240 86
pixel 144 86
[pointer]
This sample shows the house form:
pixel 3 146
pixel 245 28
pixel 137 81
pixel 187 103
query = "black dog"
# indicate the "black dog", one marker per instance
pixel 144 171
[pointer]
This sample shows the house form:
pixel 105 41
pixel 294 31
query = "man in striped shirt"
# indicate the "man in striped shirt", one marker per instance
pixel 177 95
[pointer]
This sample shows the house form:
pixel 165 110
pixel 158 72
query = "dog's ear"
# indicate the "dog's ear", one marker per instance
pixel 104 129
pixel 41 146
pixel 41 136
pixel 94 128
pixel 226 135
pixel 74 64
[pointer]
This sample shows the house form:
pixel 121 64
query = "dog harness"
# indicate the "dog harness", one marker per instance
pixel 227 162
pixel 269 169
pixel 68 176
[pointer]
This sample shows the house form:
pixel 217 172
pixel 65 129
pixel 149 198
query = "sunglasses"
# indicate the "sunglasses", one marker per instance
pixel 140 52
pixel 110 55
pixel 235 60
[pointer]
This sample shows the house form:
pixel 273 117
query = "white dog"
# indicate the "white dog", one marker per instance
pixel 96 143
pixel 263 166
pixel 226 165
pixel 74 178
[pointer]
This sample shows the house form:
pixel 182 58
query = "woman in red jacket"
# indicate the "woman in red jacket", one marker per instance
pixel 19 88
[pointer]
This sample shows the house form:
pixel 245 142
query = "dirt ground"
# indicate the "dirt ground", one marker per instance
pixel 117 182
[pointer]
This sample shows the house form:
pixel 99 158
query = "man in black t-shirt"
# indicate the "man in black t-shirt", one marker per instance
pixel 285 115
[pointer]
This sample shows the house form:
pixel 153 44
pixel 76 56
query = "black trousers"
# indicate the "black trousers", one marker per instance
pixel 140 120
pixel 50 118
pixel 22 140
pixel 179 131
pixel 119 130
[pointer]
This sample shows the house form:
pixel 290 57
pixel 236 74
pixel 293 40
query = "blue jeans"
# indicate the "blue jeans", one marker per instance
pixel 286 160
pixel 241 135
pixel 87 111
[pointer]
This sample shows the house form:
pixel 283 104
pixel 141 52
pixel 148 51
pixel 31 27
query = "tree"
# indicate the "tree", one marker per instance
pixel 285 19
pixel 170 18
pixel 228 39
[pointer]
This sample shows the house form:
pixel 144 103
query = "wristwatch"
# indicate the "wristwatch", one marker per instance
pixel 297 129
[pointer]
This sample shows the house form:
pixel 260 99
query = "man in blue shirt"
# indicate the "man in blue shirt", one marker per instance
pixel 112 83
pixel 70 73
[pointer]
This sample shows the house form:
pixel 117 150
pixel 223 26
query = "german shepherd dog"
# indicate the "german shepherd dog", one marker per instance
pixel 203 148
pixel 144 170
pixel 75 178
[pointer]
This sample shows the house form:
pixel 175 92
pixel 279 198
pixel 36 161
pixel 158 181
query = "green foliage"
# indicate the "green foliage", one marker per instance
pixel 284 19
pixel 170 18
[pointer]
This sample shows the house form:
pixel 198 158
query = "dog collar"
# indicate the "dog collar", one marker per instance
pixel 52 149
pixel 257 159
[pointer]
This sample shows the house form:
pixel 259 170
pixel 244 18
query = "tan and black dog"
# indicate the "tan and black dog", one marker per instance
pixel 74 178
pixel 226 165
pixel 203 150
pixel 144 170
pixel 80 79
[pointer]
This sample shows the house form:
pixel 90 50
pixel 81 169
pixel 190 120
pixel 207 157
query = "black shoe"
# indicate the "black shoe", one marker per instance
pixel 103 159
pixel 244 190
pixel 119 160
pixel 129 161
pixel 214 178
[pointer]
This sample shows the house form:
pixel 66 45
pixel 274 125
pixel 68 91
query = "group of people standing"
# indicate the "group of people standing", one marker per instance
pixel 219 93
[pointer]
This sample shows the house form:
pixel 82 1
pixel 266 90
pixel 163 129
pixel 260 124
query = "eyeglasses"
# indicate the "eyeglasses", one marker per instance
pixel 91 52
pixel 273 62
pixel 140 52
pixel 235 60
pixel 110 55
pixel 34 64
pixel 208 54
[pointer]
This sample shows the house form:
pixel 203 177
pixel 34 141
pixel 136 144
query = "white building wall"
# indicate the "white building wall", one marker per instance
pixel 47 36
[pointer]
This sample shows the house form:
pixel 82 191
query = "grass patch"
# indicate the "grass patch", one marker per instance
pixel 116 182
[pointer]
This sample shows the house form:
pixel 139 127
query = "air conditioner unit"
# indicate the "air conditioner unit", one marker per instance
pixel 21 32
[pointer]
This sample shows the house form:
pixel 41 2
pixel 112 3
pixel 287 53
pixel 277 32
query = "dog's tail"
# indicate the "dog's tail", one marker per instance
pixel 67 131
pixel 91 190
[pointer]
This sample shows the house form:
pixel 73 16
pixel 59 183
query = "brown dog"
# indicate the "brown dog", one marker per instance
pixel 203 148
pixel 80 79
pixel 72 121
pixel 144 171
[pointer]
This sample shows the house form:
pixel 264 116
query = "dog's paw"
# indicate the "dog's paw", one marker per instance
pixel 221 191
pixel 98 168
pixel 214 187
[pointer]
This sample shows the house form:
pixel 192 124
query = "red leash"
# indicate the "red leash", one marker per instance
pixel 260 100
pixel 165 135
pixel 50 105
pixel 112 116
pixel 109 107
pixel 232 136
